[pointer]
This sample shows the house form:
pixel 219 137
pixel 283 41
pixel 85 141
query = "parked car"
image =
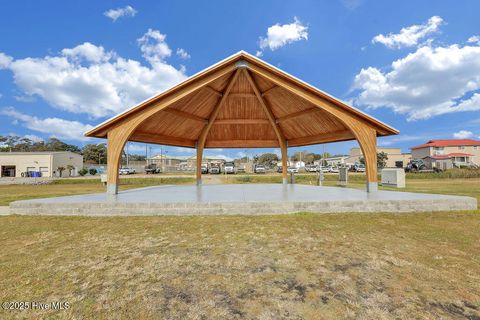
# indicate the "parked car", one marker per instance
pixel 311 168
pixel 416 165
pixel 333 170
pixel 204 169
pixel 229 167
pixel 151 168
pixel 292 170
pixel 126 171
pixel 359 167
pixel 214 170
pixel 260 168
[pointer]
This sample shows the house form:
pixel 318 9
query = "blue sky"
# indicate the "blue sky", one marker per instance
pixel 67 66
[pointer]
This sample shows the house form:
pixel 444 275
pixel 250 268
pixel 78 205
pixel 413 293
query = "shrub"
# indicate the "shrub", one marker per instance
pixel 92 171
pixel 82 171
pixel 448 174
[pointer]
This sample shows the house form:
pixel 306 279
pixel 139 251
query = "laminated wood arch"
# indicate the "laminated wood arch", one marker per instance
pixel 241 102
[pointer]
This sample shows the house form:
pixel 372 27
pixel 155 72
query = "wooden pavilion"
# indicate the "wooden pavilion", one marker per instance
pixel 241 102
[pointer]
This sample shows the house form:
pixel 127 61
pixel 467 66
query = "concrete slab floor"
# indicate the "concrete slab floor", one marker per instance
pixel 242 198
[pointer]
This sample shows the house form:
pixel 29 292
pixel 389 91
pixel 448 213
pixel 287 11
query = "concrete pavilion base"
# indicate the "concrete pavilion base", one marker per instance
pixel 251 199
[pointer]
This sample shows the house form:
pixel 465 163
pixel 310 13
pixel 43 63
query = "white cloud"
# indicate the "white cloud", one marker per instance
pixel 184 150
pixel 88 52
pixel 56 127
pixel 227 158
pixel 426 83
pixel 392 140
pixel 89 79
pixel 153 46
pixel 463 134
pixel 281 35
pixel 26 99
pixel 135 147
pixel 474 39
pixel 241 154
pixel 409 36
pixel 182 53
pixel 33 137
pixel 5 61
pixel 114 14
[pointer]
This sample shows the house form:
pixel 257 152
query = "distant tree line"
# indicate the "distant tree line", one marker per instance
pixel 92 153
pixel 270 159
pixel 23 144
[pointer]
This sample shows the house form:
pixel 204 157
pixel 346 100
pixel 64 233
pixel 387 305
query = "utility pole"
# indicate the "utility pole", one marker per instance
pixel 161 159
pixel 127 154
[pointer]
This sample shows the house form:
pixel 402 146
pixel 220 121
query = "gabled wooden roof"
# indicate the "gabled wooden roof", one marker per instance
pixel 242 120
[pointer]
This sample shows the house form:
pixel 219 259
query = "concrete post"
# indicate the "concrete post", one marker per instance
pixel 199 164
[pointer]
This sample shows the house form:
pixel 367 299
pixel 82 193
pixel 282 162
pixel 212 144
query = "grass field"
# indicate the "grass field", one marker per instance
pixel 303 266
pixel 330 266
pixel 67 187
pixel 415 183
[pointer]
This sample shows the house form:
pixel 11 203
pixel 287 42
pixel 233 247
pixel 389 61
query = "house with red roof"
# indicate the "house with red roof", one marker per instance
pixel 457 152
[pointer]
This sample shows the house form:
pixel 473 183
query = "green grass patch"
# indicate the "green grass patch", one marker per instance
pixel 130 181
pixel 339 266
pixel 68 187
pixel 448 174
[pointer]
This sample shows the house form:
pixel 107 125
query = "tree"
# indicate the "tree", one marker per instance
pixel 70 168
pixel 299 156
pixel 60 170
pixel 92 171
pixel 83 171
pixel 95 152
pixel 136 157
pixel 16 143
pixel 54 144
pixel 268 159
pixel 382 158
pixel 311 157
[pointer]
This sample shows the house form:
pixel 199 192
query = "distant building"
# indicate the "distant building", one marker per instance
pixel 44 164
pixel 396 159
pixel 183 163
pixel 333 161
pixel 459 152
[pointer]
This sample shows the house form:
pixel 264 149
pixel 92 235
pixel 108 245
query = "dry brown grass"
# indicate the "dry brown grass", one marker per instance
pixel 330 266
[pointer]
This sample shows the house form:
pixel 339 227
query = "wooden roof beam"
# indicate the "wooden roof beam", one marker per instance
pixel 213 115
pixel 186 115
pixel 241 121
pixel 270 90
pixel 140 136
pixel 218 93
pixel 241 95
pixel 322 138
pixel 242 144
pixel 268 112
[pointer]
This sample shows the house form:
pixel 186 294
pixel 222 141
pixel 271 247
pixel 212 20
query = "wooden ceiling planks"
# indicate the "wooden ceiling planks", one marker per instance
pixel 242 116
